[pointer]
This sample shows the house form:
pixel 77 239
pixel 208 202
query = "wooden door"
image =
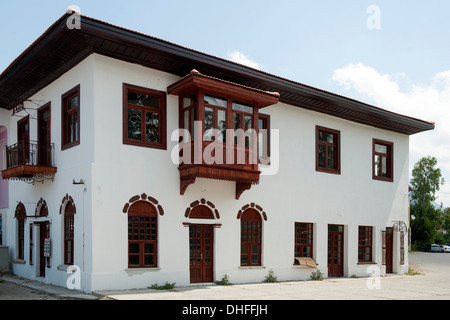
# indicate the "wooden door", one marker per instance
pixel 389 249
pixel 201 255
pixel 335 251
pixel 44 232
pixel 44 136
pixel 23 140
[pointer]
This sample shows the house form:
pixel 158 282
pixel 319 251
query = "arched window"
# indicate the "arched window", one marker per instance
pixel 251 229
pixel 21 216
pixel 69 224
pixel 142 235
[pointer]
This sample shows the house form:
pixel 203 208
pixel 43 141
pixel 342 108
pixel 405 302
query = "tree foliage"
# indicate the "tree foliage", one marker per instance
pixel 427 216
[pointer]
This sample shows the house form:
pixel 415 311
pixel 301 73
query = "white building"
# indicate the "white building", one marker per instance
pixel 84 186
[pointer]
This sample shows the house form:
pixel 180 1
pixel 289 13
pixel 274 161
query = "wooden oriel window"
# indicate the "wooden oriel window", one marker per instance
pixel 303 240
pixel 142 235
pixel 383 162
pixel 70 131
pixel 144 117
pixel 264 138
pixel 365 243
pixel 251 230
pixel 69 227
pixel 328 150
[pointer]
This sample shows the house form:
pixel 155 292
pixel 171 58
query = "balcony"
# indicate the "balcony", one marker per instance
pixel 221 136
pixel 30 161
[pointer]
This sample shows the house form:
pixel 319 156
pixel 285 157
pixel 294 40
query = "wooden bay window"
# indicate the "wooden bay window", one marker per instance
pixel 222 126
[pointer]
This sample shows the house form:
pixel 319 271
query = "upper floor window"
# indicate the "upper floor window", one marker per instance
pixel 144 122
pixel 383 160
pixel 328 150
pixel 70 134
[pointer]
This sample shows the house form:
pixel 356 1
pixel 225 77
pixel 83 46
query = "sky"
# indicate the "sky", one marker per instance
pixel 391 54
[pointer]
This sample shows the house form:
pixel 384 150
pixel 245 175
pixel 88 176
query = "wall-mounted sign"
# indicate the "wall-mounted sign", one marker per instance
pixel 47 247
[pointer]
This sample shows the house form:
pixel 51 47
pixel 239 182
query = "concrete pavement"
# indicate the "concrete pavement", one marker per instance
pixel 432 284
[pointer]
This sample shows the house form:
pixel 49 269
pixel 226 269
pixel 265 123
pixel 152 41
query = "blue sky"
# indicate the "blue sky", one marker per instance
pixel 403 66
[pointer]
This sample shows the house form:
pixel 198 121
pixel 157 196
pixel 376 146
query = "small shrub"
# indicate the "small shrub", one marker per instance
pixel 317 275
pixel 271 277
pixel 224 282
pixel 166 286
pixel 411 272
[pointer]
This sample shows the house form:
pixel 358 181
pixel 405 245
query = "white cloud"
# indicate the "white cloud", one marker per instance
pixel 429 102
pixel 240 58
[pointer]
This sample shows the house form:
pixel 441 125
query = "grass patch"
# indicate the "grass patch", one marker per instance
pixel 412 272
pixel 166 286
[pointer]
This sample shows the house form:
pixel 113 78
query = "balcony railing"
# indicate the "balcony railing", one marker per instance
pixel 30 153
pixel 29 160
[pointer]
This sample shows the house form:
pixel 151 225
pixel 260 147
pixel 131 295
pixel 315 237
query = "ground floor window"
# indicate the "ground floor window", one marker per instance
pixel 142 235
pixel 365 244
pixel 251 229
pixel 303 240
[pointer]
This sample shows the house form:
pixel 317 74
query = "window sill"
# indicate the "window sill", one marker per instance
pixel 140 270
pixel 18 261
pixel 65 268
pixel 365 263
pixel 251 267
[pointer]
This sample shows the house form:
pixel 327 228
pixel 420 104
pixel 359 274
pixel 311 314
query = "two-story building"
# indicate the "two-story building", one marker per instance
pixel 140 161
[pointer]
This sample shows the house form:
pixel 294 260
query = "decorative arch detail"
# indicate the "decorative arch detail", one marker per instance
pixel 202 209
pixel 143 197
pixel 67 200
pixel 21 212
pixel 41 209
pixel 254 206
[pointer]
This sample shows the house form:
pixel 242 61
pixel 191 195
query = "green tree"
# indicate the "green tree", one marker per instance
pixel 427 216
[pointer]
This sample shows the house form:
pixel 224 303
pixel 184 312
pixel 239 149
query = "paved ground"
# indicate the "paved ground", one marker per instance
pixel 432 284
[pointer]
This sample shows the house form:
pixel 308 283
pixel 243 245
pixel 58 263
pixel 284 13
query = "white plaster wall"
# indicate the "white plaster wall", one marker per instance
pixel 115 172
pixel 296 194
pixel 73 163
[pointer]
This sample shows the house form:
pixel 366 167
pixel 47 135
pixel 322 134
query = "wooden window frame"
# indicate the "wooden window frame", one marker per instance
pixel 162 117
pixel 65 143
pixel 336 144
pixel 390 160
pixel 135 228
pixel 265 159
pixel 69 234
pixel 308 229
pixel 251 229
pixel 365 240
pixel 21 238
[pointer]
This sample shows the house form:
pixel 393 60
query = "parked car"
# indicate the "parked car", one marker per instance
pixel 432 248
pixel 445 248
